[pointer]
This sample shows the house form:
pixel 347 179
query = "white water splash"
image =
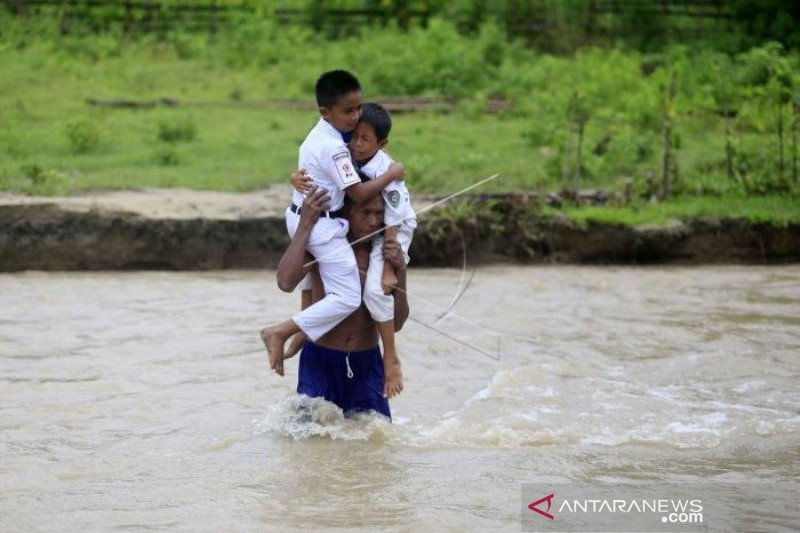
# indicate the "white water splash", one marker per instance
pixel 301 417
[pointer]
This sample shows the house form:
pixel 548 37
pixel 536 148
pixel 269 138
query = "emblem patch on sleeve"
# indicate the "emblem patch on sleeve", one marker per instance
pixel 347 173
pixel 393 198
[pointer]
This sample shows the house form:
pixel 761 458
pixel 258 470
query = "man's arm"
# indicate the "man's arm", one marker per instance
pixel 290 267
pixel 362 191
pixel 393 254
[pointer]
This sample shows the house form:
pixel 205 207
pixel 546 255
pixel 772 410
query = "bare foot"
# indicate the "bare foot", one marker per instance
pixel 274 343
pixel 388 282
pixel 393 378
pixel 295 345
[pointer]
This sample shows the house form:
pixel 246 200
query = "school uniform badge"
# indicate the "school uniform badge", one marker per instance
pixel 393 198
pixel 345 168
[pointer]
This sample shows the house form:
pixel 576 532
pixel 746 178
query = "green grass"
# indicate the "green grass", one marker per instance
pixel 236 148
pixel 777 210
pixel 233 147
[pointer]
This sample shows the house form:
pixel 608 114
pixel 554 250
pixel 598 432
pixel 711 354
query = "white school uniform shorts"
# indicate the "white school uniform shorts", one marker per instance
pixel 381 306
pixel 338 270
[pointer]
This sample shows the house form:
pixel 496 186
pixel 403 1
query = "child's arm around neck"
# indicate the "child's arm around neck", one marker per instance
pixel 365 190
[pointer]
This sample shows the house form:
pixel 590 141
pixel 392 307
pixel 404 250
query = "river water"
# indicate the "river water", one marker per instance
pixel 142 400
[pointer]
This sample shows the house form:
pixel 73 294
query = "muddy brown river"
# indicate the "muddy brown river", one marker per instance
pixel 142 400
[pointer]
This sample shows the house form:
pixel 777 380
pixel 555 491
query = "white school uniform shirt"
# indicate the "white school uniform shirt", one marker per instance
pixel 396 196
pixel 325 157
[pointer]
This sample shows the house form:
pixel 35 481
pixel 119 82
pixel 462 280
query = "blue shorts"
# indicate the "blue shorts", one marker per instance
pixel 352 380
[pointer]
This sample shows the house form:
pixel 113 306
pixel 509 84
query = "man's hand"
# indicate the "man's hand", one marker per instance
pixel 315 203
pixel 301 181
pixel 393 254
pixel 397 171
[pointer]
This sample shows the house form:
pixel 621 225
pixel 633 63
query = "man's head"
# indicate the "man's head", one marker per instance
pixel 371 133
pixel 365 217
pixel 339 99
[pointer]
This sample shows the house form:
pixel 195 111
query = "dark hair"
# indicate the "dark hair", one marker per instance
pixel 333 85
pixel 376 116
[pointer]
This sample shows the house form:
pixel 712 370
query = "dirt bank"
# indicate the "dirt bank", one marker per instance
pixel 187 230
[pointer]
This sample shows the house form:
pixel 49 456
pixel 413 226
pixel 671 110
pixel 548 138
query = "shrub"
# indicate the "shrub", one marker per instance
pixel 179 130
pixel 43 181
pixel 167 157
pixel 83 135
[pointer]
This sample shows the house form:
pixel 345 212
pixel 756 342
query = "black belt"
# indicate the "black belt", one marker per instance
pixel 329 214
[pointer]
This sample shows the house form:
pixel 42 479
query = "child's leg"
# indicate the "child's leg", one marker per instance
pixel 274 338
pixel 299 338
pixel 392 371
pixel 381 307
pixel 389 278
pixel 339 273
pixel 405 234
pixel 391 365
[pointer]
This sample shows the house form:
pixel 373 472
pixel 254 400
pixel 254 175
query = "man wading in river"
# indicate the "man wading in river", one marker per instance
pixel 344 366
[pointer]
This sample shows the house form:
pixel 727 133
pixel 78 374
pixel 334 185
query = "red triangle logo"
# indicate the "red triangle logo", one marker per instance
pixel 549 501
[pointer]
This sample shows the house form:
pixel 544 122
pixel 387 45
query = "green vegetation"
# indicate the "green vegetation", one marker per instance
pixel 592 118
pixel 777 210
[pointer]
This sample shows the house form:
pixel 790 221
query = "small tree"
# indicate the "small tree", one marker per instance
pixel 795 115
pixel 668 108
pixel 577 117
pixel 770 80
pixel 581 117
pixel 726 104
